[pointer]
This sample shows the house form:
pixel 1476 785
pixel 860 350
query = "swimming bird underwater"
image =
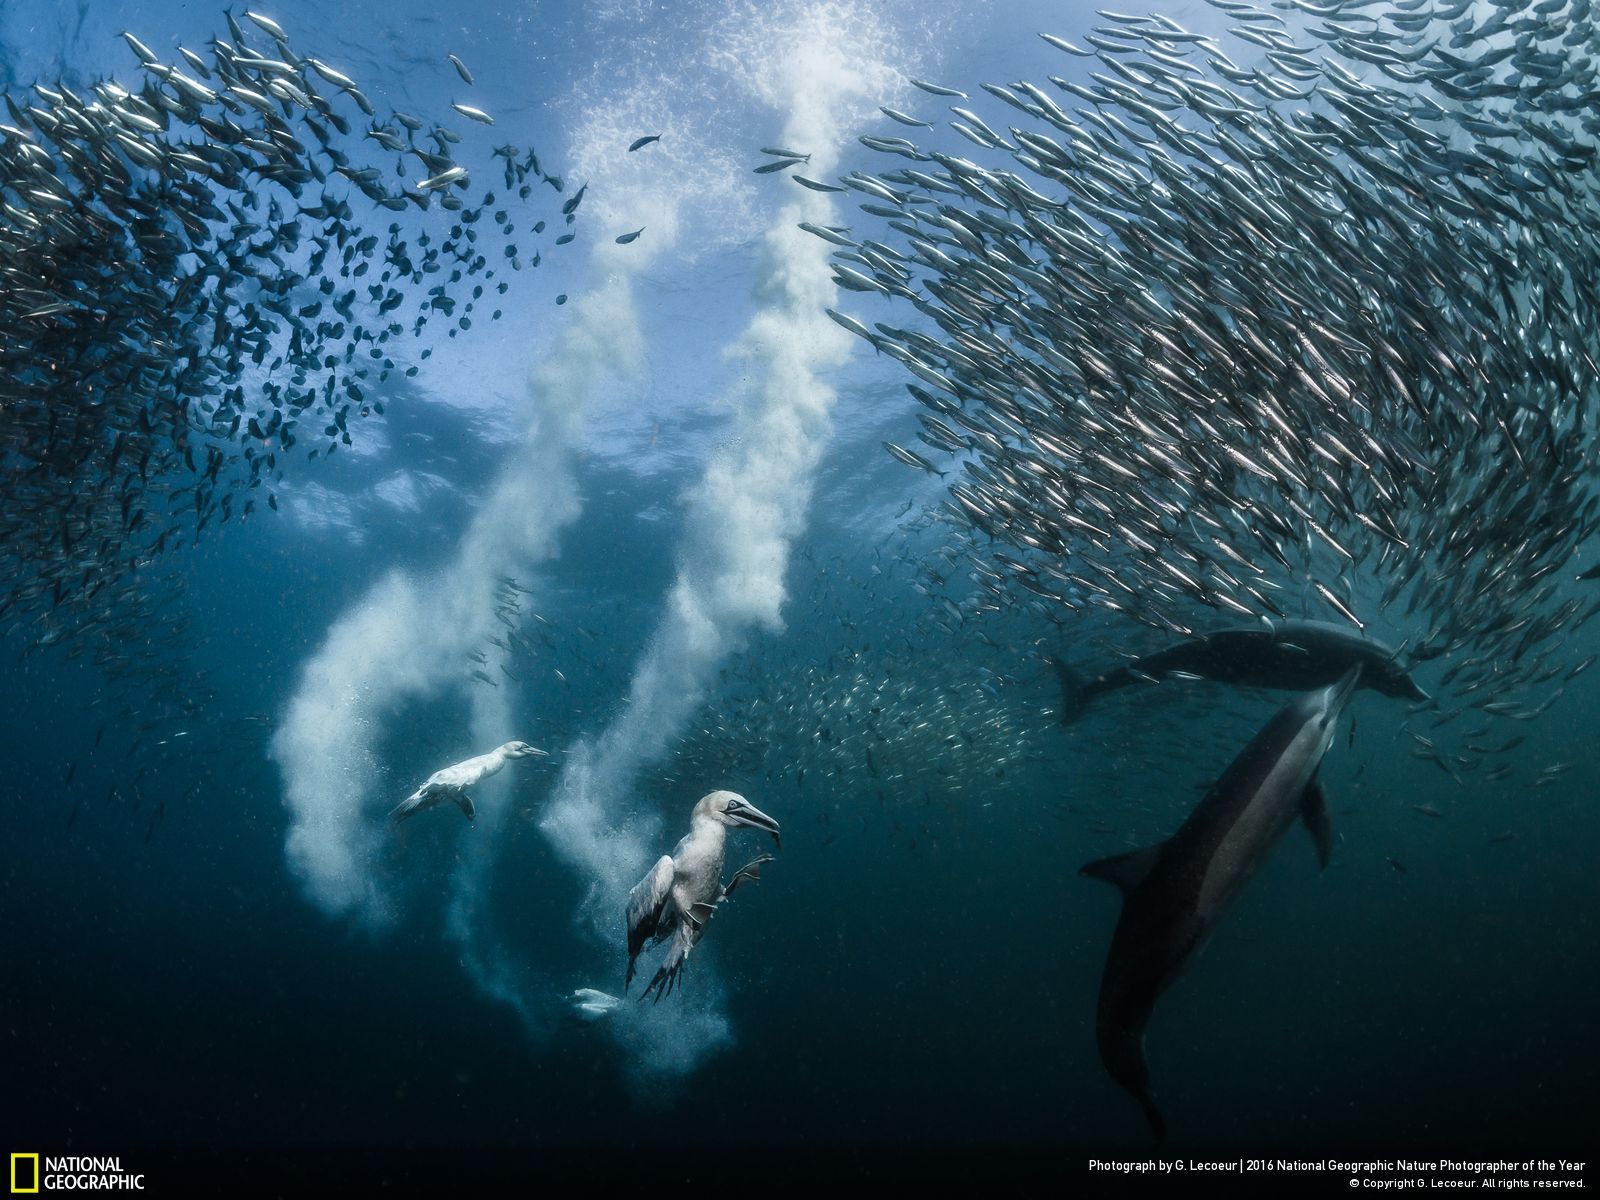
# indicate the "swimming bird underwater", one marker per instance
pixel 1175 892
pixel 683 889
pixel 591 1004
pixel 452 782
pixel 1290 654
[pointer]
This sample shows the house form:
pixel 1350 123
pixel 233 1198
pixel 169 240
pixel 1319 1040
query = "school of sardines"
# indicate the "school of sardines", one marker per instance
pixel 200 274
pixel 1309 330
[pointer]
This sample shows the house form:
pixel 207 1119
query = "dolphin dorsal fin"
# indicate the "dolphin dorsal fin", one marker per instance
pixel 1128 870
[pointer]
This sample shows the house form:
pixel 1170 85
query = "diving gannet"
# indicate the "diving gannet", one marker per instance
pixel 591 1004
pixel 683 889
pixel 452 782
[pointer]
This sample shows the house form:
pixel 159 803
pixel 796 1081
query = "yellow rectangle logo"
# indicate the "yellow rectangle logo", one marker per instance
pixel 16 1189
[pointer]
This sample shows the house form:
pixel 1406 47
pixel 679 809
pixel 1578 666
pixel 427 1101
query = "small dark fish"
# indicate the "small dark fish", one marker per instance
pixel 641 143
pixel 626 238
pixel 814 185
pixel 781 164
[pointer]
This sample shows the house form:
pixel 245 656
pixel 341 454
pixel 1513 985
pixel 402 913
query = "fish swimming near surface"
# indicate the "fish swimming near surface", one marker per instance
pixel 1293 655
pixel 1174 382
pixel 683 889
pixel 203 279
pixel 814 185
pixel 1176 892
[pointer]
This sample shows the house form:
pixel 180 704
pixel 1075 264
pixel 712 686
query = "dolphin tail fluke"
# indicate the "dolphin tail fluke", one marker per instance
pixel 1074 691
pixel 1158 1123
pixel 1122 1051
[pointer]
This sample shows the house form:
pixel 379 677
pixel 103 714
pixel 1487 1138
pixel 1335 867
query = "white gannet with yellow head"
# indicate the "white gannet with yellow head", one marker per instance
pixel 452 782
pixel 683 889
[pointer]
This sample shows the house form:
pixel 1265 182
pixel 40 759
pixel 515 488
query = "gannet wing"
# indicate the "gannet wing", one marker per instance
pixel 751 870
pixel 648 917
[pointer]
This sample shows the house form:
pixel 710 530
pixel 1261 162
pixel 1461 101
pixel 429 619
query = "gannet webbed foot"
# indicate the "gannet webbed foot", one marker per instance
pixel 751 870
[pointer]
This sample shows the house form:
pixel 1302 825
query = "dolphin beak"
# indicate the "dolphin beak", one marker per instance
pixel 1340 692
pixel 749 814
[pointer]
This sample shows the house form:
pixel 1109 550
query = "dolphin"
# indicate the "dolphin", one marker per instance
pixel 1176 892
pixel 1294 655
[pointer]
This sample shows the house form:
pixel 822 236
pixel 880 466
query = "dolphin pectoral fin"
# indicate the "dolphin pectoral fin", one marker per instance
pixel 464 803
pixel 1314 812
pixel 1126 871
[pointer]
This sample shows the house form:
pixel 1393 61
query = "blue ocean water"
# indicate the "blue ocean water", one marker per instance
pixel 213 939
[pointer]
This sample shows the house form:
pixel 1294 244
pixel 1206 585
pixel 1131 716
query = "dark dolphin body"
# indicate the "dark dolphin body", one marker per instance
pixel 1294 655
pixel 1175 893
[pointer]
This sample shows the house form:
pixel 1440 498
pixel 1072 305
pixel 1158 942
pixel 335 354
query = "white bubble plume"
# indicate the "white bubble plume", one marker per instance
pixel 408 638
pixel 821 64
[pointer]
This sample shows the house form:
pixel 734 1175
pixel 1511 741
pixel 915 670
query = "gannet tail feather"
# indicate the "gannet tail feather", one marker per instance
pixel 671 968
pixel 408 807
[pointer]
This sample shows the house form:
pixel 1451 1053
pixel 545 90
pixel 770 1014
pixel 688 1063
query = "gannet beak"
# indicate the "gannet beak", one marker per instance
pixel 748 814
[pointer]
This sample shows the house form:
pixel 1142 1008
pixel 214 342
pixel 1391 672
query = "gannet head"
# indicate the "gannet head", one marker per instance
pixel 730 808
pixel 522 750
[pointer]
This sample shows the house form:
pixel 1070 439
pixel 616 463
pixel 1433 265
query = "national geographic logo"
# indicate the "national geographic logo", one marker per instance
pixel 27 1179
pixel 30 1173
